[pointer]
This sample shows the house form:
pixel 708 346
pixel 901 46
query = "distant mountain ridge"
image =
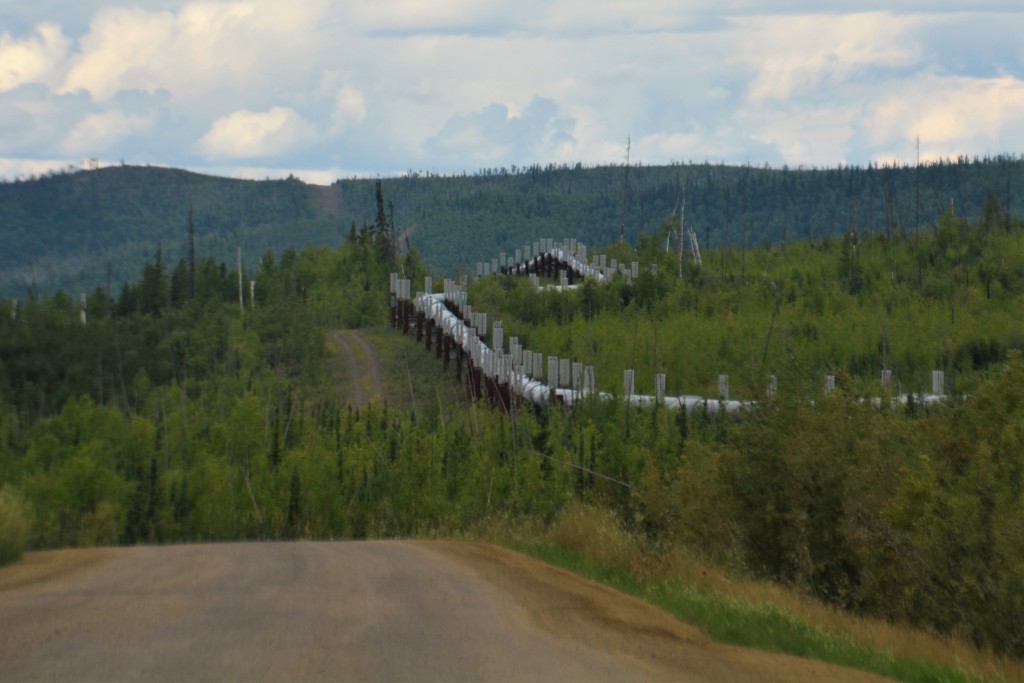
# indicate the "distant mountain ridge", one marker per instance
pixel 79 230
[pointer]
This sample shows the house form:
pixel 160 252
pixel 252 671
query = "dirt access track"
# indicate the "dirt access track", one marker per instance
pixel 355 366
pixel 352 611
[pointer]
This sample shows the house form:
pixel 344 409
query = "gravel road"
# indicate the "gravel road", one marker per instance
pixel 346 611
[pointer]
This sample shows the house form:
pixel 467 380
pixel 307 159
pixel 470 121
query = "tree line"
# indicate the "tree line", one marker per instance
pixel 87 228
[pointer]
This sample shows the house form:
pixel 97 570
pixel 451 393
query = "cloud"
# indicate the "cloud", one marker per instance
pixel 252 135
pixel 383 87
pixel 201 48
pixel 316 176
pixel 349 109
pixel 438 17
pixel 951 114
pixel 800 55
pixel 31 60
pixel 26 168
pixel 493 135
pixel 99 132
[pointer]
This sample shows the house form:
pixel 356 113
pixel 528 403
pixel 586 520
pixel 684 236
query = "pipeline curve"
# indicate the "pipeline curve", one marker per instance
pixel 448 325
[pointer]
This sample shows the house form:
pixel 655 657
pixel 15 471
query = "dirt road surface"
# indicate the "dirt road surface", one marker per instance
pixel 346 611
pixel 356 366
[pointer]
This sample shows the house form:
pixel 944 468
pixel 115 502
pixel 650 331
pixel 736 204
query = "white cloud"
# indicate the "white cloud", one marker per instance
pixel 494 135
pixel 437 16
pixel 349 109
pixel 31 60
pixel 313 176
pixel 449 85
pixel 816 135
pixel 14 168
pixel 251 135
pixel 951 115
pixel 202 48
pixel 794 55
pixel 99 132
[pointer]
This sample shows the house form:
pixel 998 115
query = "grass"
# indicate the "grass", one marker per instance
pixel 14 526
pixel 413 378
pixel 591 543
pixel 761 626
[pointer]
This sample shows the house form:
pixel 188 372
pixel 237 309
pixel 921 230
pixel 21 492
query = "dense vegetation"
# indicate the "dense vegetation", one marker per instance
pixel 845 306
pixel 77 230
pixel 898 512
pixel 175 414
pixel 169 412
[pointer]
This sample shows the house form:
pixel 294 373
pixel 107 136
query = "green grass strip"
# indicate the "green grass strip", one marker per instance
pixel 763 627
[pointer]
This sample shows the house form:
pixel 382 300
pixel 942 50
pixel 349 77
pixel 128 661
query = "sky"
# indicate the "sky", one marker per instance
pixel 326 90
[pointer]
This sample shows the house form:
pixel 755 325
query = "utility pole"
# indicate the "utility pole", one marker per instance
pixel 241 301
pixel 191 254
pixel 625 195
pixel 917 188
pixel 682 219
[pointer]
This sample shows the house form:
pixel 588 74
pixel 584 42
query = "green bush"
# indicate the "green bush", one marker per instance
pixel 14 525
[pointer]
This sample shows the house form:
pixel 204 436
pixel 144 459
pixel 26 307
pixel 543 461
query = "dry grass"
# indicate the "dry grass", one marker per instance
pixel 599 536
pixel 14 525
pixel 596 534
pixel 684 568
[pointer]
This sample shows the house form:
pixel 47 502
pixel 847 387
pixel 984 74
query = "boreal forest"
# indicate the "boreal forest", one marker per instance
pixel 78 229
pixel 194 401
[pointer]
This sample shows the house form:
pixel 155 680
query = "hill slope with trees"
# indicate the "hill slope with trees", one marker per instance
pixel 78 230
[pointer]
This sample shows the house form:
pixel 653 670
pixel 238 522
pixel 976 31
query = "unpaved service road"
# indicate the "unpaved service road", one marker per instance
pixel 356 366
pixel 373 611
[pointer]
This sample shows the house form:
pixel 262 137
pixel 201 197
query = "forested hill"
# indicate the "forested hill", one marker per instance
pixel 77 230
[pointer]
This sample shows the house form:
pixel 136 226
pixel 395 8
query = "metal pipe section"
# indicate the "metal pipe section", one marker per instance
pixel 566 259
pixel 514 376
pixel 501 369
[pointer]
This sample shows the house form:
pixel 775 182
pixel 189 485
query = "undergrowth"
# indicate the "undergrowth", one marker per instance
pixel 592 542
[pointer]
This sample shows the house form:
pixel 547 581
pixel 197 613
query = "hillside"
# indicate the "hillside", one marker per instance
pixel 80 230
pixel 67 230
